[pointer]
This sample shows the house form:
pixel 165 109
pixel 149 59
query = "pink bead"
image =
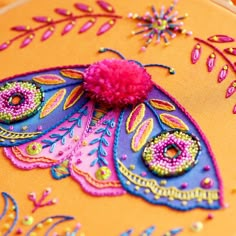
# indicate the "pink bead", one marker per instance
pixel 143 49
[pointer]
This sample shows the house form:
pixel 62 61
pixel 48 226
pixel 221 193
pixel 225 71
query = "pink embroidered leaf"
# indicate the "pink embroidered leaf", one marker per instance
pixel 173 121
pixel 49 79
pixel 196 53
pixel 106 6
pixel 83 7
pixel 42 19
pixel 73 97
pixel 234 109
pixel 223 73
pixel 231 51
pixel 211 61
pixel 231 89
pixel 27 41
pixel 4 46
pixel 135 117
pixel 87 25
pixel 52 103
pixel 48 33
pixel 20 28
pixel 162 105
pixel 219 38
pixel 106 26
pixel 72 74
pixel 141 135
pixel 68 28
pixel 63 12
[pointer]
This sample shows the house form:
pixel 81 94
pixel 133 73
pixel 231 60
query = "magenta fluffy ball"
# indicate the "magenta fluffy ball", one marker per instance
pixel 117 83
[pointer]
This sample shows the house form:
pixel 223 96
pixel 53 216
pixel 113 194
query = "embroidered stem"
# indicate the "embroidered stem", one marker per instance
pixel 101 153
pixel 53 23
pixel 218 51
pixel 77 121
pixel 156 115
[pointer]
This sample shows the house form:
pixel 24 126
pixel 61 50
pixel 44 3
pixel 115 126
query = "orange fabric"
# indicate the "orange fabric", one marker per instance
pixel 195 88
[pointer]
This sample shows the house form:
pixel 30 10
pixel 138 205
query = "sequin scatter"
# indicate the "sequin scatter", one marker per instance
pixel 157 25
pixel 19 100
pixel 171 153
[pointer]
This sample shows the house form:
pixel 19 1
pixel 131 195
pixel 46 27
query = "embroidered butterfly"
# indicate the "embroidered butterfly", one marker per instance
pixel 108 127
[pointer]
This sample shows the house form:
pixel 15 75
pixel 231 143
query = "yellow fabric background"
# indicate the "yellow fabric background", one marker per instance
pixel 195 88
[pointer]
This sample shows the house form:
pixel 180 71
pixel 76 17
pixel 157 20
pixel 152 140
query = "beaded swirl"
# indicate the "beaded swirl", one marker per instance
pixel 157 159
pixel 29 98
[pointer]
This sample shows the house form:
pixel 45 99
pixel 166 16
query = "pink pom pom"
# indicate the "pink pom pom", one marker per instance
pixel 117 83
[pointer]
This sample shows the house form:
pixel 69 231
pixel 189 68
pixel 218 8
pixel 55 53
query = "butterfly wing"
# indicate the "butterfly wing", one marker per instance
pixel 53 130
pixel 162 156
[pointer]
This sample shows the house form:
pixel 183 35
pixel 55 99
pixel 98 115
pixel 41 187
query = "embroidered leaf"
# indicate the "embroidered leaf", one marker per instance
pixel 4 46
pixel 173 121
pixel 102 151
pixel 103 160
pixel 96 140
pixel 87 25
pixel 211 61
pixel 234 109
pixel 46 141
pixel 49 79
pixel 219 38
pixel 20 28
pixel 94 162
pixel 27 41
pixel 231 89
pixel 83 7
pixel 63 12
pixel 99 130
pixel 51 149
pixel 63 140
pixel 106 26
pixel 149 231
pixel 48 33
pixel 135 117
pixel 42 19
pixel 196 53
pixel 72 74
pixel 55 136
pixel 104 141
pixel 127 233
pixel 223 73
pixel 162 105
pixel 71 133
pixel 60 171
pixel 105 6
pixel 231 51
pixel 73 97
pixel 68 28
pixel 141 135
pixel 108 132
pixel 92 151
pixel 53 103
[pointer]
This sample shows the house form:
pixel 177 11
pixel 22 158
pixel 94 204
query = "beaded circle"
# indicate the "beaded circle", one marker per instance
pixel 19 100
pixel 171 153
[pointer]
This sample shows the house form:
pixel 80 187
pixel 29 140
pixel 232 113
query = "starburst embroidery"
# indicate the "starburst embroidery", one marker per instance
pixel 155 25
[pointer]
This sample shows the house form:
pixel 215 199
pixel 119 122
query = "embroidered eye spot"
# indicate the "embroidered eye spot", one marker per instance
pixel 19 100
pixel 103 173
pixel 171 153
pixel 34 148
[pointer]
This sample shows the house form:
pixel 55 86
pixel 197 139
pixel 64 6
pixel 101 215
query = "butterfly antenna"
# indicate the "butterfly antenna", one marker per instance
pixel 101 50
pixel 171 69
